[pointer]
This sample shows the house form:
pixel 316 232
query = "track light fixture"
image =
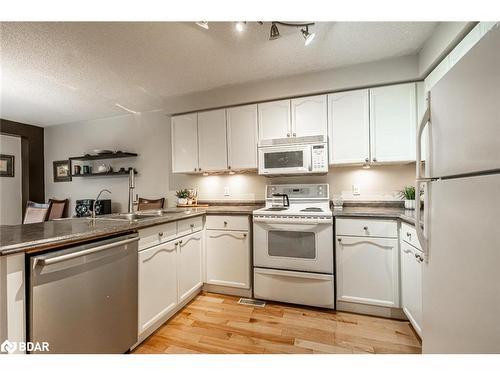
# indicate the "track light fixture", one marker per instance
pixel 308 37
pixel 275 34
pixel 203 24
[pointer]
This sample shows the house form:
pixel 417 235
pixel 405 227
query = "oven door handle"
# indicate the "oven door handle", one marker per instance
pixel 295 274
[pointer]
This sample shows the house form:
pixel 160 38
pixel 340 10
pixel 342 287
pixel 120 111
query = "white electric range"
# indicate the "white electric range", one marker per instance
pixel 293 246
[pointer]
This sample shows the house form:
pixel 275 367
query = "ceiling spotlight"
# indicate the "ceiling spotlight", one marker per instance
pixel 240 26
pixel 308 37
pixel 203 24
pixel 275 34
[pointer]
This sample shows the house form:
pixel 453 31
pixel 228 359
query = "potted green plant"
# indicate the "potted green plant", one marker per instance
pixel 182 196
pixel 408 193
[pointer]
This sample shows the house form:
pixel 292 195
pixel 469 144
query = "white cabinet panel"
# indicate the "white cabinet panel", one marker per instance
pixel 185 143
pixel 349 127
pixel 274 119
pixel 228 222
pixel 365 227
pixel 189 265
pixel 309 116
pixel 411 285
pixel 242 137
pixel 368 270
pixel 212 143
pixel 157 283
pixel 228 258
pixel 393 123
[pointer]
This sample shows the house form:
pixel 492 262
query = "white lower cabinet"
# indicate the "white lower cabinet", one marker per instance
pixel 411 284
pixel 157 283
pixel 228 258
pixel 189 265
pixel 367 267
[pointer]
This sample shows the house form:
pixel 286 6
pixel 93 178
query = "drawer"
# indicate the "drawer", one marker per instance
pixel 302 288
pixel 228 222
pixel 409 235
pixel 188 226
pixel 367 227
pixel 153 236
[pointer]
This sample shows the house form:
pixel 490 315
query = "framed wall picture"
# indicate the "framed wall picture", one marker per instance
pixel 62 171
pixel 6 165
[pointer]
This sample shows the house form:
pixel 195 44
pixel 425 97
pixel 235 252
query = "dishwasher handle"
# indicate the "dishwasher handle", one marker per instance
pixel 92 250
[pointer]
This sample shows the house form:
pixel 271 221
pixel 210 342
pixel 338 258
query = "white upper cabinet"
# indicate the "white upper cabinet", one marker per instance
pixel 212 143
pixel 349 127
pixel 242 137
pixel 185 143
pixel 393 118
pixel 274 119
pixel 309 116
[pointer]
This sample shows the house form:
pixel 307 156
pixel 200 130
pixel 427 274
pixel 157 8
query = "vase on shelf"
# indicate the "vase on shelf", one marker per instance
pixel 410 204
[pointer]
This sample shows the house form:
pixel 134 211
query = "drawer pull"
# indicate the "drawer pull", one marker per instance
pixel 225 223
pixel 192 225
pixel 180 242
pixel 365 228
pixel 339 239
pixel 419 258
pixel 160 234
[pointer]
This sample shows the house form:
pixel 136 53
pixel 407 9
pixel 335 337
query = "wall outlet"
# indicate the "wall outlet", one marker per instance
pixel 226 191
pixel 355 190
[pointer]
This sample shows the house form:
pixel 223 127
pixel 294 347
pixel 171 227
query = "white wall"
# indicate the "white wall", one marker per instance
pixel 445 37
pixel 146 134
pixel 11 187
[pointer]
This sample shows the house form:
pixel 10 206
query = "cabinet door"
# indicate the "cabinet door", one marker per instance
pixel 392 123
pixel 157 283
pixel 309 116
pixel 411 285
pixel 185 143
pixel 367 270
pixel 228 258
pixel 189 266
pixel 349 127
pixel 274 120
pixel 212 140
pixel 242 137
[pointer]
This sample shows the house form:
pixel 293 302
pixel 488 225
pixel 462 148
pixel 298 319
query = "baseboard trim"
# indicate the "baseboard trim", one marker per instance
pixel 228 290
pixel 381 311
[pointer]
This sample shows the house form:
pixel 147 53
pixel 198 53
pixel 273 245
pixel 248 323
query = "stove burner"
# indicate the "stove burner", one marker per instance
pixel 276 209
pixel 311 209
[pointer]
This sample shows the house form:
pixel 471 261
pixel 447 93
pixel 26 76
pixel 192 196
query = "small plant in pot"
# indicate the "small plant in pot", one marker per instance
pixel 182 196
pixel 408 193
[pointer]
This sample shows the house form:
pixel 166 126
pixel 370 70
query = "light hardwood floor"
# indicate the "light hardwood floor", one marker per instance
pixel 214 323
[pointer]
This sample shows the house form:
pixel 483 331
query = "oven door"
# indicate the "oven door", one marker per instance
pixel 277 160
pixel 298 247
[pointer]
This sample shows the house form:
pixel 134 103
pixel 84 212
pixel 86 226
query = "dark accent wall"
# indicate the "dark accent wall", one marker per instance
pixel 33 180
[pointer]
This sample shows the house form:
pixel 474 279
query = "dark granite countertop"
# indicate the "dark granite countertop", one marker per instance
pixel 377 211
pixel 53 234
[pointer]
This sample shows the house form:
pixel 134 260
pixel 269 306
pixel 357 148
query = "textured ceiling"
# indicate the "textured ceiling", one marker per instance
pixel 59 72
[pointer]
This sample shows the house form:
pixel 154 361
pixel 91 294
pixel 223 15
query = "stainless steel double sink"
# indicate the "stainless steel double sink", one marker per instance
pixel 140 215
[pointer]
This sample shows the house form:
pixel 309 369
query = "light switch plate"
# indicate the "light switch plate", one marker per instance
pixel 355 190
pixel 226 191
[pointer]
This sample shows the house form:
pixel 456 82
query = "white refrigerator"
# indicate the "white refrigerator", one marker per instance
pixel 461 216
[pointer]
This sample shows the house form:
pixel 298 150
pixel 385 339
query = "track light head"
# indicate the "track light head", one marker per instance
pixel 203 24
pixel 308 37
pixel 275 34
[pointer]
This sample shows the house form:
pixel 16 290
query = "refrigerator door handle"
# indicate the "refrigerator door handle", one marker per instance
pixel 422 237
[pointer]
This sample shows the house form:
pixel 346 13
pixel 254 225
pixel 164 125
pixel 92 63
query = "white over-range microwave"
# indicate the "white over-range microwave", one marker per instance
pixel 293 156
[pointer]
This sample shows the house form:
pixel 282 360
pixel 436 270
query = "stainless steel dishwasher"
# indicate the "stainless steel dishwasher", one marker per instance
pixel 84 299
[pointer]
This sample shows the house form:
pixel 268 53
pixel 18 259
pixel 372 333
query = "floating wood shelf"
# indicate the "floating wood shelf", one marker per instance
pixel 105 174
pixel 113 155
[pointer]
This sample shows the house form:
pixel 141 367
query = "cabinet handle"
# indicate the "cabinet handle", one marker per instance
pixel 294 134
pixel 365 228
pixel 191 225
pixel 225 223
pixel 408 234
pixel 419 258
pixel 374 159
pixel 339 239
pixel 195 169
pixel 176 243
pixel 367 160
pixel 228 167
pixel 288 134
pixel 160 234
pixel 180 242
pixel 199 169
